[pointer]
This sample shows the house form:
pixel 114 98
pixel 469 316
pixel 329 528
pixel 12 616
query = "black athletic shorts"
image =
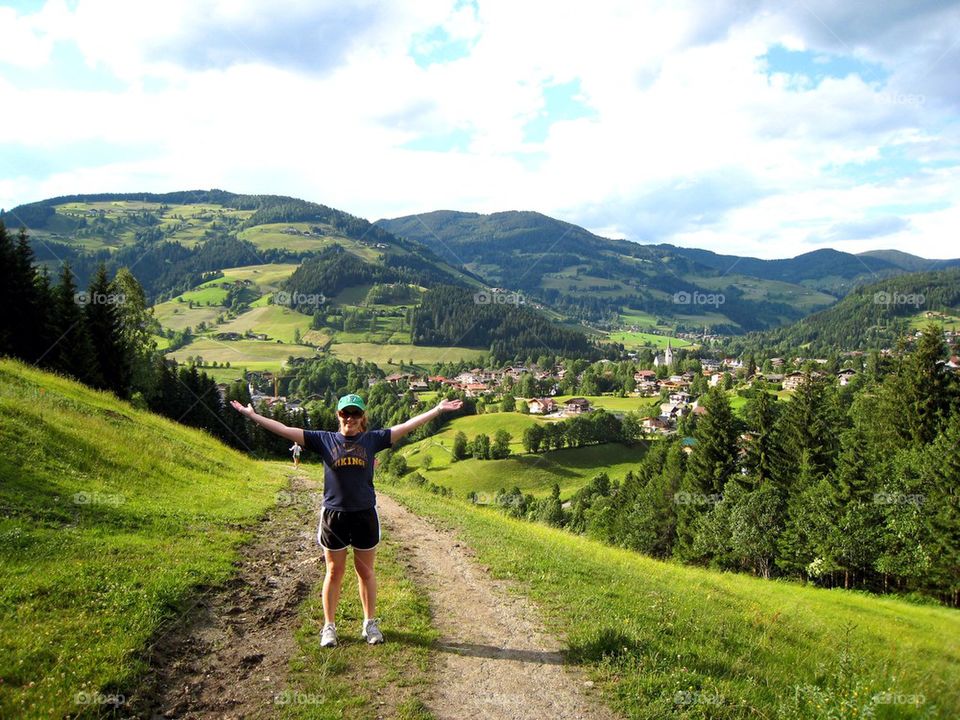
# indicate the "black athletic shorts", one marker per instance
pixel 339 528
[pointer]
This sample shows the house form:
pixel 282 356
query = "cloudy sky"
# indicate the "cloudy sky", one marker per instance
pixel 750 127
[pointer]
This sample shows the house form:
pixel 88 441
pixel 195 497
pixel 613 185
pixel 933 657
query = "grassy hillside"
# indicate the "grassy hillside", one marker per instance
pixel 666 641
pixel 111 518
pixel 570 468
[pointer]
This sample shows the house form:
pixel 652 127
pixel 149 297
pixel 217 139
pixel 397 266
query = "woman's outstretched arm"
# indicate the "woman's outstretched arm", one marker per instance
pixel 277 428
pixel 398 431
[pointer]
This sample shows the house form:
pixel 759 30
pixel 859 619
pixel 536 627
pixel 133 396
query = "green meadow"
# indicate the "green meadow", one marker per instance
pixel 179 315
pixel 570 468
pixel 113 518
pixel 635 339
pixel 423 355
pixel 254 354
pixel 277 321
pixel 668 641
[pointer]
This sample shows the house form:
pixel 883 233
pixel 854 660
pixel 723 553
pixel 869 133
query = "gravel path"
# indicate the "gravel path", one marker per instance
pixel 495 662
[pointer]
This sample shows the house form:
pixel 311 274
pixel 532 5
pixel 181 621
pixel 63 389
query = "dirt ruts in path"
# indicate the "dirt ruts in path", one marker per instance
pixel 495 661
pixel 230 657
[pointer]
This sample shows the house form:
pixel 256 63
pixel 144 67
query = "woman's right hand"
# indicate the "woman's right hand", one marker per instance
pixel 245 410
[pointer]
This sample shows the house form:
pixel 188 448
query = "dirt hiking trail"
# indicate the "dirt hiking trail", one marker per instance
pixel 230 657
pixel 230 654
pixel 495 662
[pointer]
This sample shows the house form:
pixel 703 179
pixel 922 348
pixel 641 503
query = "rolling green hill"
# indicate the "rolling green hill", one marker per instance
pixel 111 519
pixel 872 316
pixel 570 468
pixel 561 263
pixel 664 641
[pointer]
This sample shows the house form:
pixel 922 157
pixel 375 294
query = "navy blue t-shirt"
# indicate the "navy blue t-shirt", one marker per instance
pixel 347 466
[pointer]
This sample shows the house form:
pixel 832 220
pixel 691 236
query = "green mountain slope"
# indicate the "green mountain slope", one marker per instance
pixel 594 277
pixel 872 316
pixel 908 262
pixel 111 519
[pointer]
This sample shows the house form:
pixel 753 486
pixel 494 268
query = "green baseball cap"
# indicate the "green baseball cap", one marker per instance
pixel 348 400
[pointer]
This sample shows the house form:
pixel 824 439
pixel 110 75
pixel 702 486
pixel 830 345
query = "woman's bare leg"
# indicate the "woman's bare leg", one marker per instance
pixel 363 562
pixel 332 581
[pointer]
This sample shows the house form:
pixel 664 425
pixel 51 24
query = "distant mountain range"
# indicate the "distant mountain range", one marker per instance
pixel 468 238
pixel 533 253
pixel 575 276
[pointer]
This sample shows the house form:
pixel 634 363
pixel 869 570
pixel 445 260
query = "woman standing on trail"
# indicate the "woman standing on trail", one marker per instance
pixel 349 512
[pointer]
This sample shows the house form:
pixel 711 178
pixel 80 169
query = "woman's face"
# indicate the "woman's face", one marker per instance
pixel 350 420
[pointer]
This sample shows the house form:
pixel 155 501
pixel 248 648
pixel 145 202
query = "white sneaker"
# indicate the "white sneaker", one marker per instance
pixel 328 638
pixel 371 632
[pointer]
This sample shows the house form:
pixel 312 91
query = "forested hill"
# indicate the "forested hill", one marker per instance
pixel 870 317
pixel 267 209
pixel 172 239
pixel 826 269
pixel 454 316
pixel 592 278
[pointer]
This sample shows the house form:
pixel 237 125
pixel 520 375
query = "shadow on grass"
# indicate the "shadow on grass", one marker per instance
pixel 607 644
pixel 475 650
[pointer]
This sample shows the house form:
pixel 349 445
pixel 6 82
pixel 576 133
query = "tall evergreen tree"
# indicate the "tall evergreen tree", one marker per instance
pixel 6 291
pixel 27 313
pixel 72 350
pixel 761 416
pixel 928 387
pixel 106 332
pixel 714 458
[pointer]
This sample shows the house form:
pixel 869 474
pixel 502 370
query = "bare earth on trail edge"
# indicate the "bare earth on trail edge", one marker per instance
pixel 231 657
pixel 494 662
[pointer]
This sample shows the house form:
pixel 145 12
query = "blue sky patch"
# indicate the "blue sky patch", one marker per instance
pixel 455 140
pixel 818 66
pixel 561 101
pixel 437 47
pixel 67 70
pixel 25 161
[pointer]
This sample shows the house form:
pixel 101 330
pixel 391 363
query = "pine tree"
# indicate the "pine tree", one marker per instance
pixel 928 391
pixel 8 284
pixel 807 432
pixel 72 351
pixel 106 333
pixel 714 458
pixel 29 315
pixel 941 505
pixel 761 414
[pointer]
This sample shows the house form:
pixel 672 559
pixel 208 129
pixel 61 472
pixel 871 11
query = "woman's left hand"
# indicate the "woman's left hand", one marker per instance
pixel 448 405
